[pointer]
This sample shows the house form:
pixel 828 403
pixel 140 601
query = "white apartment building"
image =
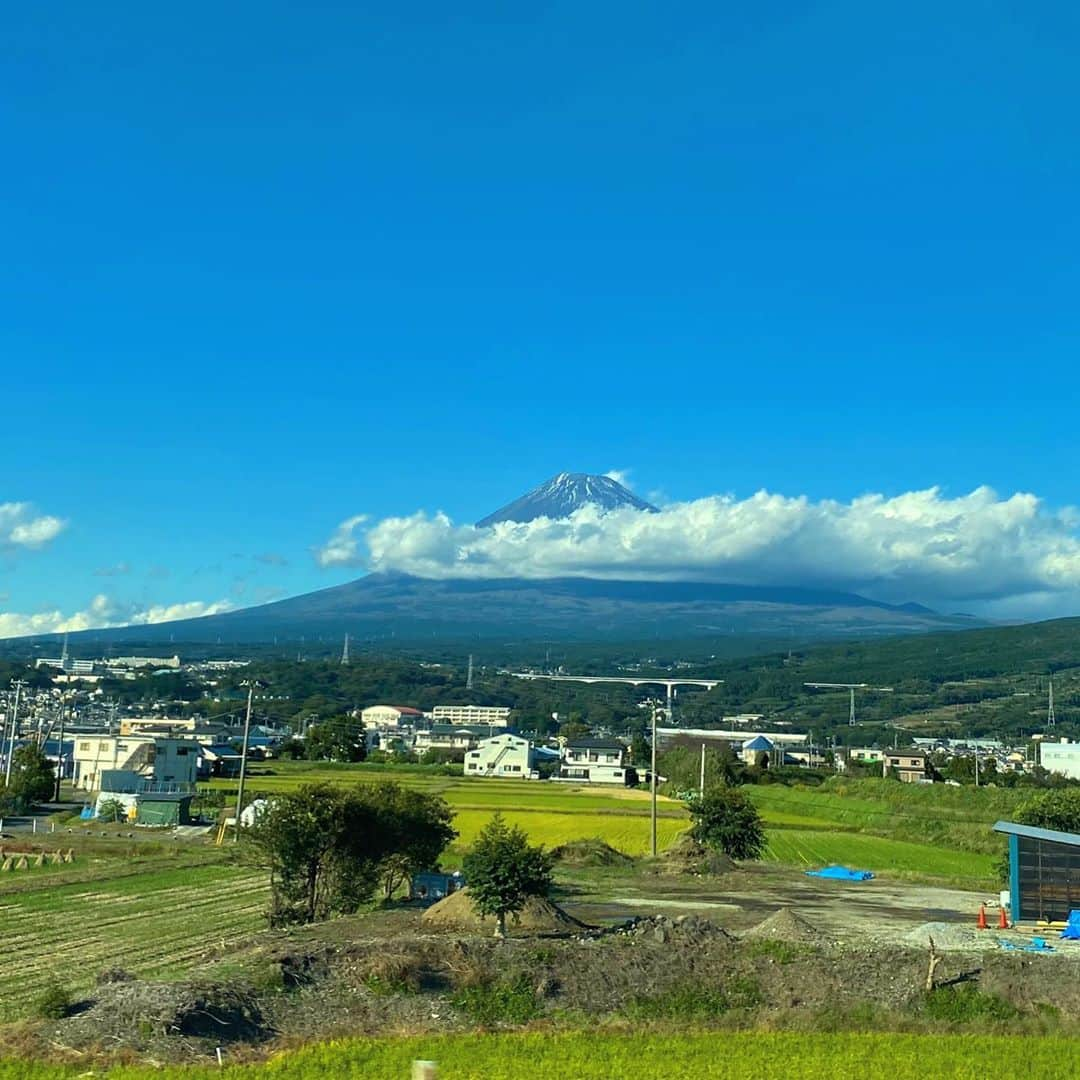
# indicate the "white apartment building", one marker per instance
pixel 172 761
pixel 382 717
pixel 595 761
pixel 1061 757
pixel 508 756
pixel 495 715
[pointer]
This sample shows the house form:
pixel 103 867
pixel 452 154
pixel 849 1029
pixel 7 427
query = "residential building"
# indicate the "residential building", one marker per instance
pixel 596 761
pixel 495 715
pixel 1061 757
pixel 507 756
pixel 171 761
pixel 382 717
pixel 451 736
pixel 910 765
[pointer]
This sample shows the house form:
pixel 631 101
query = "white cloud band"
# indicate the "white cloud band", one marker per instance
pixel 102 613
pixel 916 546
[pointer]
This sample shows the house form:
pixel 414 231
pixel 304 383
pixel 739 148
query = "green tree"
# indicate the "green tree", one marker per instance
pixel 416 827
pixel 322 845
pixel 503 871
pixel 32 777
pixel 1057 809
pixel 336 739
pixel 726 820
pixel 111 811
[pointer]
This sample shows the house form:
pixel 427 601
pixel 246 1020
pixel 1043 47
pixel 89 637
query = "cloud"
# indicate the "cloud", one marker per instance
pixel 975 549
pixel 342 547
pixel 104 612
pixel 22 527
pixel 620 476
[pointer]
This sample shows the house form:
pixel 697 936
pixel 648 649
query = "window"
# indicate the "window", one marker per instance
pixel 84 746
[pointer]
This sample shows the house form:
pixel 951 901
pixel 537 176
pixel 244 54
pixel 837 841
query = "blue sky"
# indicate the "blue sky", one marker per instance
pixel 270 267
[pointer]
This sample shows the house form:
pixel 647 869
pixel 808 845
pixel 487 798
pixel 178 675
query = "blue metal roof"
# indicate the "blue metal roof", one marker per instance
pixel 1030 831
pixel 759 742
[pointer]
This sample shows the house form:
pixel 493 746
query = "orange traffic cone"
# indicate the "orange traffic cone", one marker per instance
pixel 1003 919
pixel 981 921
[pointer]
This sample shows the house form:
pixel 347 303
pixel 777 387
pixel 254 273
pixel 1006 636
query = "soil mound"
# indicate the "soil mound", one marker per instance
pixel 222 1013
pixel 539 916
pixel 786 925
pixel 688 929
pixel 590 853
pixel 686 856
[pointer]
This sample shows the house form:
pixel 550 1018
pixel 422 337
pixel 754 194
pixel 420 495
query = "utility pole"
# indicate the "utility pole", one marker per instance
pixel 701 785
pixel 18 684
pixel 243 758
pixel 469 676
pixel 60 753
pixel 1050 708
pixel 652 784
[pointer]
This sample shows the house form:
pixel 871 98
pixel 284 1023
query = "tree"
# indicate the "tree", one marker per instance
pixel 726 820
pixel 417 829
pixel 1058 810
pixel 336 739
pixel 322 846
pixel 32 777
pixel 503 871
pixel 328 847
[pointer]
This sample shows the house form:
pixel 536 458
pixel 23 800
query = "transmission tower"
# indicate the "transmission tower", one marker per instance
pixel 468 677
pixel 1050 707
pixel 345 652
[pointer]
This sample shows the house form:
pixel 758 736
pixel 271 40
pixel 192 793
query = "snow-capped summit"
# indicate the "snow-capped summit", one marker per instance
pixel 560 496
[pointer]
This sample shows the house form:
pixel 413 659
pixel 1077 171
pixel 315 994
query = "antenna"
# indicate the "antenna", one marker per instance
pixel 468 678
pixel 345 652
pixel 1050 708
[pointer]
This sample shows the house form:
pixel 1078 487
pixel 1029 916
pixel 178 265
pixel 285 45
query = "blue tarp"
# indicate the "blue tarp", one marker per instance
pixel 841 873
pixel 1072 927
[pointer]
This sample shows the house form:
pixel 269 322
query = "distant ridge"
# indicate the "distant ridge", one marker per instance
pixel 405 608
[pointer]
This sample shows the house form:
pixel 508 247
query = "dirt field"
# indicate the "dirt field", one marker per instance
pixel 874 910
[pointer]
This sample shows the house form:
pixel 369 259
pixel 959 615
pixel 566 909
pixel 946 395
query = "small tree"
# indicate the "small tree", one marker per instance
pixel 32 777
pixel 503 871
pixel 726 820
pixel 111 810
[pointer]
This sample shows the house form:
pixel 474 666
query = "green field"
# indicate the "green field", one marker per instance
pixel 816 847
pixel 153 922
pixel 603 1055
pixel 889 828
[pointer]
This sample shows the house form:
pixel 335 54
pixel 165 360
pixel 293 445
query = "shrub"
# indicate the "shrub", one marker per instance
pixel 726 820
pixel 682 1003
pixel 53 1003
pixel 965 1004
pixel 492 1003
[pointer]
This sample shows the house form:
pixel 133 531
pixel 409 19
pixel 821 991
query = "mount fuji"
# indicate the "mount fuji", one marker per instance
pixel 560 496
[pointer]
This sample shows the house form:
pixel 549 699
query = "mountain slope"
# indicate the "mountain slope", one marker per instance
pixel 560 496
pixel 404 608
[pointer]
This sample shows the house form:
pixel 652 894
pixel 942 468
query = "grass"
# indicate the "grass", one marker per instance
pixel 155 922
pixel 815 847
pixel 652 1051
pixel 629 835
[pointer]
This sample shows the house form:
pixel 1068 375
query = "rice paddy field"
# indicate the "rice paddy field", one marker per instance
pixel 660 1053
pixel 152 922
pixel 889 828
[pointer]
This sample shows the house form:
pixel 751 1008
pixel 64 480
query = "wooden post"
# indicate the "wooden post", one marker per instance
pixel 935 959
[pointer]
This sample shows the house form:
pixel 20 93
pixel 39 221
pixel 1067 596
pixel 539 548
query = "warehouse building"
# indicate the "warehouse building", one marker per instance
pixel 1044 872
